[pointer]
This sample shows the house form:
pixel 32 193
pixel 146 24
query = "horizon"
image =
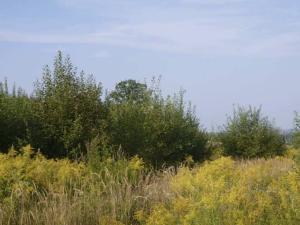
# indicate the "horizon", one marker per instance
pixel 222 52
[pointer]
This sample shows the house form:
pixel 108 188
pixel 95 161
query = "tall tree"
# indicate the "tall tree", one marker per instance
pixel 68 108
pixel 130 90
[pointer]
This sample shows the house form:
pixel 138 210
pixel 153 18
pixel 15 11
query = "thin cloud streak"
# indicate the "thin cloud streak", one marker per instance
pixel 211 31
pixel 181 37
pixel 212 2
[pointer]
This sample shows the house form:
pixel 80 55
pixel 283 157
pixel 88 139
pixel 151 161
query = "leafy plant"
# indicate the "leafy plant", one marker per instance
pixel 68 109
pixel 160 130
pixel 248 134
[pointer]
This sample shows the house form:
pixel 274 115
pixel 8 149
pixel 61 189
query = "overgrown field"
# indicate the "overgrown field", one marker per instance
pixel 38 191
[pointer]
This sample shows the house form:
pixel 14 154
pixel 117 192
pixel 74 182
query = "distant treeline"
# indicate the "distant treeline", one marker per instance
pixel 67 115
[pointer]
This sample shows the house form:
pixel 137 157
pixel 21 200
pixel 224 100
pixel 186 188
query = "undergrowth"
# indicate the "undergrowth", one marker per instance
pixel 38 191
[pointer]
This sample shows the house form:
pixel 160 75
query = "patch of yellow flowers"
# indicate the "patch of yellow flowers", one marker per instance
pixel 220 192
pixel 229 192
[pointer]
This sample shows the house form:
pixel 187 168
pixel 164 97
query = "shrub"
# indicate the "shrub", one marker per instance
pixel 248 134
pixel 160 130
pixel 15 117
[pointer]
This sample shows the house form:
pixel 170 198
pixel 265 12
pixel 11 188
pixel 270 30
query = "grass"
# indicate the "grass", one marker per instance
pixel 37 191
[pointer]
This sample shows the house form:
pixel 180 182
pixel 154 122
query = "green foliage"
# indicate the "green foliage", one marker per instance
pixel 160 130
pixel 65 115
pixel 130 91
pixel 248 134
pixel 15 117
pixel 296 133
pixel 68 109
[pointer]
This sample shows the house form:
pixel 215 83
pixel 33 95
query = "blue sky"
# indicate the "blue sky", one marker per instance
pixel 223 52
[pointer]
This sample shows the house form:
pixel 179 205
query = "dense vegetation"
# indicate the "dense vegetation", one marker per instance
pixel 71 155
pixel 37 191
pixel 248 134
pixel 67 112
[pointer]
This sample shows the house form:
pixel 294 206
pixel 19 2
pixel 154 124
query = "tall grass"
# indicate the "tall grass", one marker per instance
pixel 37 191
pixel 227 192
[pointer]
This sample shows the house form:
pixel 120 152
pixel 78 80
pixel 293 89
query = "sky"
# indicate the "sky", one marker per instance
pixel 222 52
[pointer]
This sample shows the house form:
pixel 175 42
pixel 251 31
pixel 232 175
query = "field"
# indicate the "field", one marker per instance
pixel 38 191
pixel 135 112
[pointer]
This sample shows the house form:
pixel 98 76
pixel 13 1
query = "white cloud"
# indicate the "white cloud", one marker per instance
pixel 176 36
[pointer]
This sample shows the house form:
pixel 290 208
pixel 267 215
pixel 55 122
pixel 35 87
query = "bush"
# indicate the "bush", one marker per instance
pixel 160 130
pixel 248 134
pixel 15 117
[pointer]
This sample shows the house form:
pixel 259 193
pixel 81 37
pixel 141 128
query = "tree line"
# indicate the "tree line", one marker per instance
pixel 67 115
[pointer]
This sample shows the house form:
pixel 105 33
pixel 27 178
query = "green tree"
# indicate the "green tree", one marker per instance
pixel 130 91
pixel 160 130
pixel 249 134
pixel 15 116
pixel 68 107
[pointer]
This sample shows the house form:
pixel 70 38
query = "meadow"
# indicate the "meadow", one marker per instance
pixel 39 191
